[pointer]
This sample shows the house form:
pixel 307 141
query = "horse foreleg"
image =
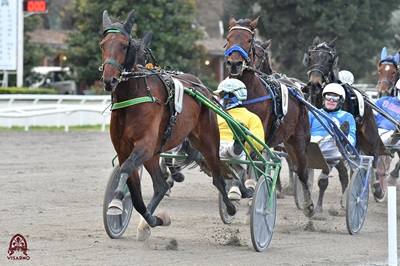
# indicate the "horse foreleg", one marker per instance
pixel 344 181
pixel 396 170
pixel 323 182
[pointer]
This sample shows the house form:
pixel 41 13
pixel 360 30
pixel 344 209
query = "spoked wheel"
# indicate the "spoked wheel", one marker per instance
pixel 262 218
pixel 298 188
pixel 357 201
pixel 116 225
pixel 225 217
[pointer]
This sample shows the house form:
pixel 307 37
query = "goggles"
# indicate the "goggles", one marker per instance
pixel 334 98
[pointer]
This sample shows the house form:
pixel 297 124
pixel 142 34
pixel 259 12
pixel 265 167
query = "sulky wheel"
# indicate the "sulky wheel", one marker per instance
pixel 116 225
pixel 262 217
pixel 357 201
pixel 298 188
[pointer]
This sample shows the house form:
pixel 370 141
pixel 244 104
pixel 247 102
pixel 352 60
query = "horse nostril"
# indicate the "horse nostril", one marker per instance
pixel 114 82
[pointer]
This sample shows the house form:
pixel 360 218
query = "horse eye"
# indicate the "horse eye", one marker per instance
pixel 125 47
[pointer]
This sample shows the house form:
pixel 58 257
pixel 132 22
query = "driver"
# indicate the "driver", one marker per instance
pixel 232 93
pixel 334 97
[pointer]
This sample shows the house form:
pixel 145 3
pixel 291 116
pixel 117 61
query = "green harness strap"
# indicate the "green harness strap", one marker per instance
pixel 133 102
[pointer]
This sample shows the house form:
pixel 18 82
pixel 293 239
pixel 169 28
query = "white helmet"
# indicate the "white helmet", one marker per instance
pixel 346 76
pixel 234 86
pixel 334 88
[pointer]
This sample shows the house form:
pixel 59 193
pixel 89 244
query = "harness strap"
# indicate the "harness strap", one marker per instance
pixel 133 102
pixel 256 100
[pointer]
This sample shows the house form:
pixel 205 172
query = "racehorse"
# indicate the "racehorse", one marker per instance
pixel 323 68
pixel 262 60
pixel 293 127
pixel 144 121
pixel 388 73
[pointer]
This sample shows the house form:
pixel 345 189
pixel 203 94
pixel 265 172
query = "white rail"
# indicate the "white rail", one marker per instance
pixel 54 110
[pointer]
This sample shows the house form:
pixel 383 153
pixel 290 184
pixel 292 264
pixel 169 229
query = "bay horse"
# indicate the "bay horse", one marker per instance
pixel 144 121
pixel 388 73
pixel 292 128
pixel 323 68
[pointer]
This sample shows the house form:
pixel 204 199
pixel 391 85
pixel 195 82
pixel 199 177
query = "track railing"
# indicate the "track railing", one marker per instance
pixel 54 110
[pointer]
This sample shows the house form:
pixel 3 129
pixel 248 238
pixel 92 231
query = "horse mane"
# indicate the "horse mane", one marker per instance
pixel 245 23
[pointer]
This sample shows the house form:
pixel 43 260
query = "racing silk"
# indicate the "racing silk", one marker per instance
pixel 247 118
pixel 338 118
pixel 392 106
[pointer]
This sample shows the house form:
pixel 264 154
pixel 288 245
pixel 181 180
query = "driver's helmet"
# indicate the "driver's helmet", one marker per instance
pixel 335 88
pixel 234 87
pixel 346 76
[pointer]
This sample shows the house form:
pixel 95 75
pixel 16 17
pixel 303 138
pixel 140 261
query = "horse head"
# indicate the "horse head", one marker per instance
pixel 322 65
pixel 262 60
pixel 388 73
pixel 240 45
pixel 119 51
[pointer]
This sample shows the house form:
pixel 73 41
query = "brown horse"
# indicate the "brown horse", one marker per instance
pixel 323 68
pixel 388 73
pixel 292 127
pixel 262 60
pixel 144 121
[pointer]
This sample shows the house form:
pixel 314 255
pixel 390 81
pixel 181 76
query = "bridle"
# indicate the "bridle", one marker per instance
pixel 129 58
pixel 263 57
pixel 237 48
pixel 324 48
pixel 386 80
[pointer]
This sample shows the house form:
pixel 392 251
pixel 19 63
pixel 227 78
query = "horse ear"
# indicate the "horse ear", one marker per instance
pixel 254 23
pixel 397 38
pixel 128 24
pixel 333 42
pixel 396 58
pixel 316 41
pixel 232 22
pixel 147 38
pixel 267 44
pixel 383 53
pixel 106 20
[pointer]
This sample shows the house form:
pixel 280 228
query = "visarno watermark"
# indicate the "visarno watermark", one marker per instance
pixel 18 249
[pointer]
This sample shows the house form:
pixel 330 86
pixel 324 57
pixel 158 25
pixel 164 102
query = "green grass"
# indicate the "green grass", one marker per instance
pixel 54 128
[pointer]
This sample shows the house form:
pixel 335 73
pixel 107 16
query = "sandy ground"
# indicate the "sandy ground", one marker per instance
pixel 52 192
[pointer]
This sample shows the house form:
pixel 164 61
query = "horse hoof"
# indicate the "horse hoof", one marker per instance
pixel 143 234
pixel 178 177
pixel 309 211
pixel 318 209
pixel 115 207
pixel 163 215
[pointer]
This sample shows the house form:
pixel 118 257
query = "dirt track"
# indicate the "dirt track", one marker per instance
pixel 52 193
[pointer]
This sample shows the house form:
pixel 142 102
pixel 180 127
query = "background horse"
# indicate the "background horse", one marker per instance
pixel 144 121
pixel 323 68
pixel 389 74
pixel 293 127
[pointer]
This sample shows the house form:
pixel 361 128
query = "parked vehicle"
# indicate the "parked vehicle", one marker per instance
pixel 53 77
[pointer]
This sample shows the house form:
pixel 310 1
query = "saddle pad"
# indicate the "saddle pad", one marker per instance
pixel 285 96
pixel 315 157
pixel 178 97
pixel 360 100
